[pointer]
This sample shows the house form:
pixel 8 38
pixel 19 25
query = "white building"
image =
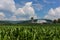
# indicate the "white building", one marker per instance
pixel 41 21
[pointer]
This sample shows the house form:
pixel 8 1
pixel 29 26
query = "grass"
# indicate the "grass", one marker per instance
pixel 30 32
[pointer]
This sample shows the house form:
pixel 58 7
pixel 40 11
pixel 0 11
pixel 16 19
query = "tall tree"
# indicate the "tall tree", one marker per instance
pixel 32 19
pixel 59 20
pixel 54 21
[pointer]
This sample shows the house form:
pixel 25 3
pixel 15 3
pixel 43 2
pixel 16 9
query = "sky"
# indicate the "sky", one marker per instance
pixel 25 9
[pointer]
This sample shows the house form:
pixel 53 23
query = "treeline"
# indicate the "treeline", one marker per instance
pixel 56 21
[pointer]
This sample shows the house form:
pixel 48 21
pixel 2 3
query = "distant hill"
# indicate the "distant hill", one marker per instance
pixel 22 21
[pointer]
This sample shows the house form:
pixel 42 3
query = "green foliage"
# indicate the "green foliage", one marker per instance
pixel 30 32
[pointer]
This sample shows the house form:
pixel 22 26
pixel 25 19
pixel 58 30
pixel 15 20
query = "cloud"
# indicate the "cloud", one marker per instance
pixel 13 18
pixel 28 4
pixel 7 5
pixel 46 1
pixel 25 12
pixel 2 15
pixel 38 6
pixel 53 13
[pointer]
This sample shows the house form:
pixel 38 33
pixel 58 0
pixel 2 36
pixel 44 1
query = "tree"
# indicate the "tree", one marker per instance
pixel 32 19
pixel 54 21
pixel 59 20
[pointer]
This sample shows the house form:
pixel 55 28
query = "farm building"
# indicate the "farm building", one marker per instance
pixel 40 20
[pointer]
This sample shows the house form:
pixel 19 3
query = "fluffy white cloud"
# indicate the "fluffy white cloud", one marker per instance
pixel 19 12
pixel 26 10
pixel 2 15
pixel 28 4
pixel 53 13
pixel 9 5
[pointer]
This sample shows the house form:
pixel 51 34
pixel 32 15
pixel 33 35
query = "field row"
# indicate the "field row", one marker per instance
pixel 30 32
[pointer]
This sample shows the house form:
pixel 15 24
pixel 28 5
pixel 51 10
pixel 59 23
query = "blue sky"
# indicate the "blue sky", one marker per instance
pixel 25 9
pixel 43 8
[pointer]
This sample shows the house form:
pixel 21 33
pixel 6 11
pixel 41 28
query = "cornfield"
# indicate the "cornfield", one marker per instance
pixel 30 32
